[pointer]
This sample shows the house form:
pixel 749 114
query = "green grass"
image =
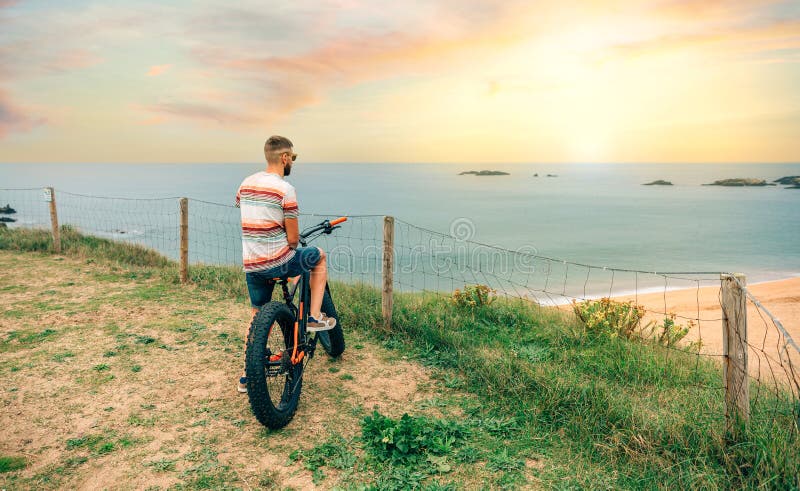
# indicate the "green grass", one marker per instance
pixel 632 414
pixel 415 452
pixel 98 444
pixel 599 411
pixel 11 463
pixel 81 245
pixel 16 340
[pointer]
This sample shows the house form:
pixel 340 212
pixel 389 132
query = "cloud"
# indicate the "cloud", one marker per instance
pixel 705 9
pixel 272 65
pixel 53 41
pixel 281 81
pixel 264 63
pixel 22 60
pixel 201 112
pixel 157 70
pixel 780 35
pixel 12 118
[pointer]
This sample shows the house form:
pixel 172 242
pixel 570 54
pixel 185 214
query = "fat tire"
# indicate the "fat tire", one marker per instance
pixel 261 401
pixel 332 340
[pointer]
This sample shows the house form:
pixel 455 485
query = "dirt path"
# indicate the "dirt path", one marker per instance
pixel 112 379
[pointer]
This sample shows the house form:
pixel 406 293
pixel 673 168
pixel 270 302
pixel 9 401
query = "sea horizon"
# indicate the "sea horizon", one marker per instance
pixel 597 214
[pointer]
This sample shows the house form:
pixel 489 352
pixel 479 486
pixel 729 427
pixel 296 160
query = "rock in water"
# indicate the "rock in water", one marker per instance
pixel 792 181
pixel 739 181
pixel 658 182
pixel 484 173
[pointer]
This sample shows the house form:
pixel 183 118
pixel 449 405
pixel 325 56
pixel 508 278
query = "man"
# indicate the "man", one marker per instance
pixel 270 236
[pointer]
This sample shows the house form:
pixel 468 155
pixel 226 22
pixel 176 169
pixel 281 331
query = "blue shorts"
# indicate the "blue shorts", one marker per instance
pixel 304 259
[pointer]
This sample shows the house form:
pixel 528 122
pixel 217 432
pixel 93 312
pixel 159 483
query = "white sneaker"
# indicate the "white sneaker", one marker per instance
pixel 324 323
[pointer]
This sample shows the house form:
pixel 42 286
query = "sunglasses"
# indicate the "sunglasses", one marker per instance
pixel 294 155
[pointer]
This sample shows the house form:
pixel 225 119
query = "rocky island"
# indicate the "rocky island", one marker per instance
pixel 484 173
pixel 6 210
pixel 658 182
pixel 792 182
pixel 740 181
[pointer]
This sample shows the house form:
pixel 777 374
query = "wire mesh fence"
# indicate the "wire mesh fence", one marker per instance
pixel 27 208
pixel 680 313
pixel 773 360
pixel 151 223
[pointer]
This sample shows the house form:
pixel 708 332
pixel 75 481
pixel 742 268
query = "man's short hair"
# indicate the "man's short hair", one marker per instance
pixel 274 145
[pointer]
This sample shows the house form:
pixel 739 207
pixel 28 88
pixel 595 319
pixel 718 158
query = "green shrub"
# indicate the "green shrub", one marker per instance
pixel 609 317
pixel 474 296
pixel 668 333
pixel 410 439
pixel 624 319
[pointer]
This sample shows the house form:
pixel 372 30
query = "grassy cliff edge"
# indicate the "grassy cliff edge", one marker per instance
pixel 601 412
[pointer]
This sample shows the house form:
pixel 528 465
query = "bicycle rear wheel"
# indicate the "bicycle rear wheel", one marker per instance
pixel 273 383
pixel 333 340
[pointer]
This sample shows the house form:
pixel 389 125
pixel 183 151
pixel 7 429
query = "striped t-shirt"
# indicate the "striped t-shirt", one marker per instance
pixel 265 201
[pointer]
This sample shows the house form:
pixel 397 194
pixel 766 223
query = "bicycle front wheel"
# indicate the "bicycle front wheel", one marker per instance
pixel 273 382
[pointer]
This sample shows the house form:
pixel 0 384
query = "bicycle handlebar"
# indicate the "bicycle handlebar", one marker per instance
pixel 327 226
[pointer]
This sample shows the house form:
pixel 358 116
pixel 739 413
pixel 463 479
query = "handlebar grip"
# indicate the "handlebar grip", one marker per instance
pixel 338 221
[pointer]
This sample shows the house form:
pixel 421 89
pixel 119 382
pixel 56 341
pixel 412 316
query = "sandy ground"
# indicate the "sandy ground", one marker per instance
pixel 153 377
pixel 701 306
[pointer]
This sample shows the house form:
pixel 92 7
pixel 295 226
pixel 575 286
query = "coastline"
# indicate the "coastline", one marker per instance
pixel 781 297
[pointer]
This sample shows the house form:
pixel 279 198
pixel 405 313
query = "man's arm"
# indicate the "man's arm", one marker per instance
pixel 292 232
pixel 290 214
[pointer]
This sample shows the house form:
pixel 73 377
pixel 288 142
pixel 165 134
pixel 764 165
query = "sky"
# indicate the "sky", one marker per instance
pixel 471 81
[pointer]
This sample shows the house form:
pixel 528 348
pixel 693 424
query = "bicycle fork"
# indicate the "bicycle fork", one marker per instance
pixel 300 342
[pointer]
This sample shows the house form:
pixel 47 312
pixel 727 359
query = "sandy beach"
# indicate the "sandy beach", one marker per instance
pixel 781 298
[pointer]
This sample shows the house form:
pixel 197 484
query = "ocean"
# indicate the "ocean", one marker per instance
pixel 593 214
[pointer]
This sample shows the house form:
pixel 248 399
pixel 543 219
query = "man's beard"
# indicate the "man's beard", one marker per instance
pixel 287 169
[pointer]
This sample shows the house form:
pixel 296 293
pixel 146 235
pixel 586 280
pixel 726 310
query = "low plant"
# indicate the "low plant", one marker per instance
pixel 10 463
pixel 624 319
pixel 333 453
pixel 609 317
pixel 474 296
pixel 410 439
pixel 668 333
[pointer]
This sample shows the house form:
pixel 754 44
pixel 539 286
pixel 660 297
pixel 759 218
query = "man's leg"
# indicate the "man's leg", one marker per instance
pixel 259 295
pixel 319 276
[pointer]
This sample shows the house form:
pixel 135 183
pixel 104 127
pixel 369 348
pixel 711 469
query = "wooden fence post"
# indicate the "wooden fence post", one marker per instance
pixel 388 270
pixel 50 195
pixel 734 350
pixel 184 240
